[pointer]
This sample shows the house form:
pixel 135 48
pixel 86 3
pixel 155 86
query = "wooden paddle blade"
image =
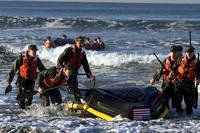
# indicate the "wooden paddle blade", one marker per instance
pixel 8 89
pixel 22 96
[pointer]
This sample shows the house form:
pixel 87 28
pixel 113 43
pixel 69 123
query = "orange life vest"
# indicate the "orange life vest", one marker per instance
pixel 28 70
pixel 58 79
pixel 187 72
pixel 167 69
pixel 76 59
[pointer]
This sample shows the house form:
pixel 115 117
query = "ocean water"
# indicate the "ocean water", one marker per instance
pixel 131 32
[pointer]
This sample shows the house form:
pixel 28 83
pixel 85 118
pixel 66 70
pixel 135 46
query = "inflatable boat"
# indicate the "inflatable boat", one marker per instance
pixel 133 103
pixel 61 42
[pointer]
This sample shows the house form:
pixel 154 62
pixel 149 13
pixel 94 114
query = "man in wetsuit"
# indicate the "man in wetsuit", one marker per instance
pixel 76 56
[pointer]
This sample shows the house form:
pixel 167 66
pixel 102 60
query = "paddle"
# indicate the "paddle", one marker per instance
pixel 8 89
pixel 195 101
pixel 195 96
pixel 190 38
pixel 29 94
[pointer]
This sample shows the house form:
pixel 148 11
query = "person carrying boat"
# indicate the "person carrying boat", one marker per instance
pixel 169 72
pixel 52 77
pixel 76 56
pixel 187 71
pixel 26 64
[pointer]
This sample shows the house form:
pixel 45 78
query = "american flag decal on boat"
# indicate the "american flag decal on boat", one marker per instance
pixel 141 114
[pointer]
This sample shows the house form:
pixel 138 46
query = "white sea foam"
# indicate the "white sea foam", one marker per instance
pixel 51 54
pixel 96 58
pixel 100 58
pixel 57 23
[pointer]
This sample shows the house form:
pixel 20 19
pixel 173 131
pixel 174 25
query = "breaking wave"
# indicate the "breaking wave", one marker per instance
pixel 7 22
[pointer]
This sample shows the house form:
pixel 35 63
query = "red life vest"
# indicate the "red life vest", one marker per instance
pixel 58 79
pixel 168 67
pixel 189 72
pixel 76 59
pixel 28 70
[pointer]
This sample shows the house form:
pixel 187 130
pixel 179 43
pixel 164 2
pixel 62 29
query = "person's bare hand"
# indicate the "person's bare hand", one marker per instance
pixel 40 90
pixel 151 81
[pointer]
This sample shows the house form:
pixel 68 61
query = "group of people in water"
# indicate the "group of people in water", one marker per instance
pixel 179 76
pixel 48 81
pixel 97 44
pixel 49 43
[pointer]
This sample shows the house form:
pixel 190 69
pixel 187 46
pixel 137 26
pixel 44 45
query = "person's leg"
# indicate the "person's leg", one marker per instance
pixel 73 87
pixel 20 102
pixel 45 99
pixel 20 91
pixel 177 103
pixel 177 98
pixel 188 98
pixel 166 93
pixel 55 96
pixel 29 88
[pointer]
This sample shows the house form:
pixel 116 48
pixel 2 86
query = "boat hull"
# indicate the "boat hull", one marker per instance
pixel 133 103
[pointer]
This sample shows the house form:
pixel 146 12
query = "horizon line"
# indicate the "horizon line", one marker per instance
pixel 100 1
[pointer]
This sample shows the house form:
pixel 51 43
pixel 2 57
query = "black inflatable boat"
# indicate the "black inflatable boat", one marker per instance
pixel 61 42
pixel 133 103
